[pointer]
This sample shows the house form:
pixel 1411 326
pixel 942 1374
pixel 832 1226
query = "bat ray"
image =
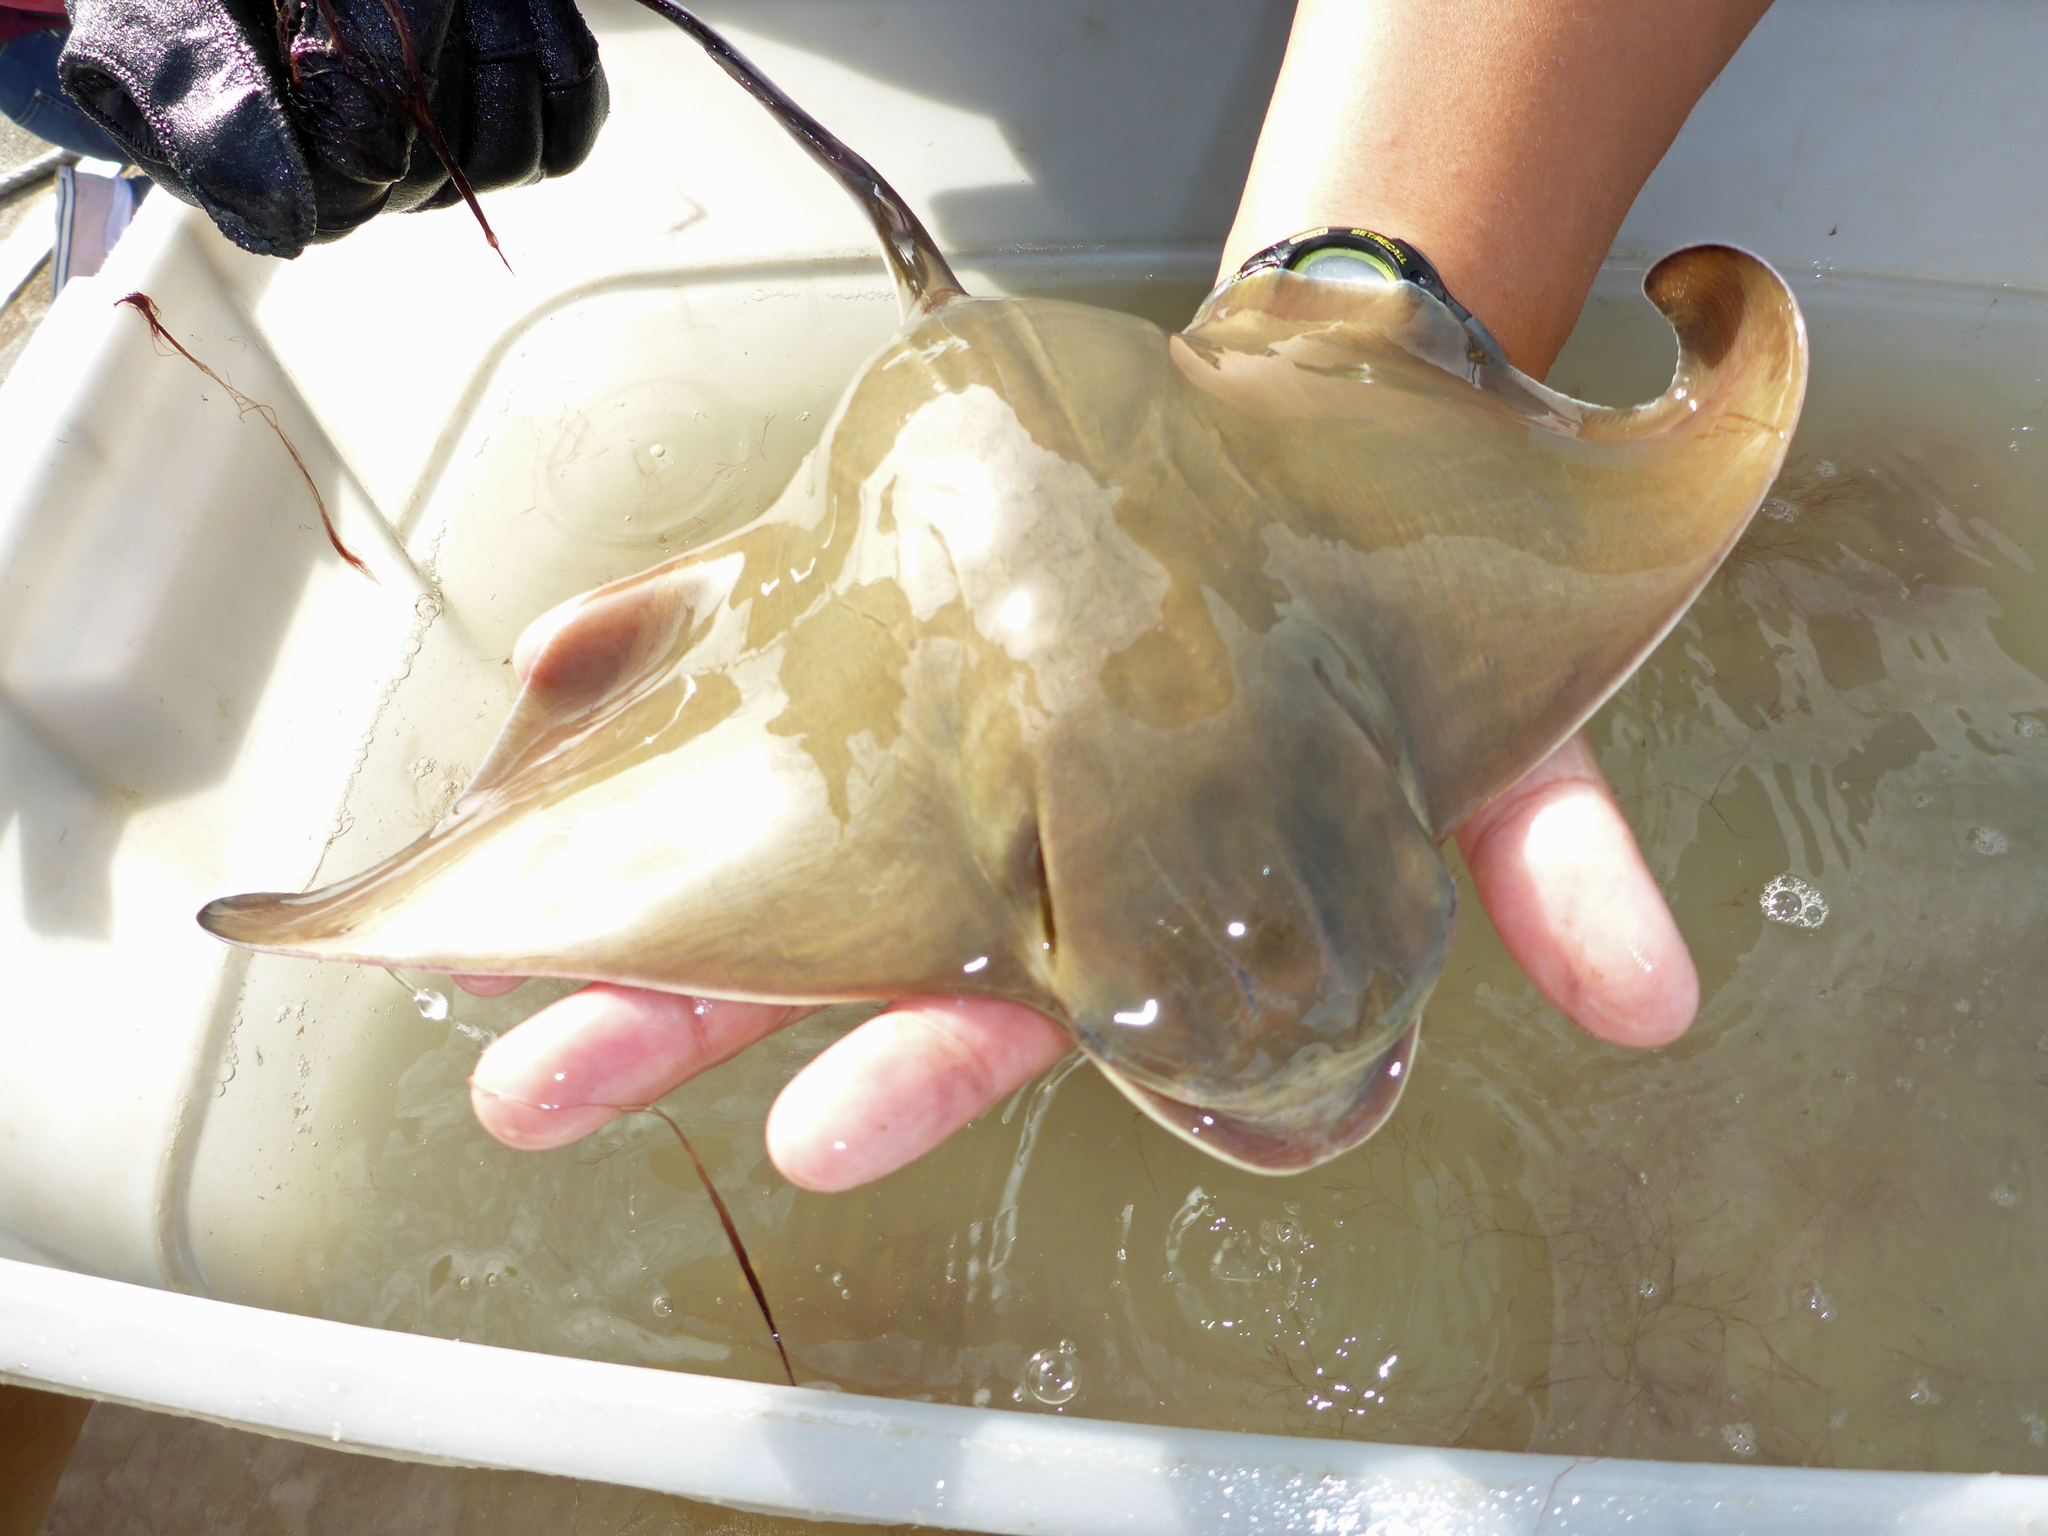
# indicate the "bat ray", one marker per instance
pixel 1133 676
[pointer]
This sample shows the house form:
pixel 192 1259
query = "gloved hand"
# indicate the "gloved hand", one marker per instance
pixel 295 125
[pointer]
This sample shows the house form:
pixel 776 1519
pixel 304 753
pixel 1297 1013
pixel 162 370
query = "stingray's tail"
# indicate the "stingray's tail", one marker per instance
pixel 923 280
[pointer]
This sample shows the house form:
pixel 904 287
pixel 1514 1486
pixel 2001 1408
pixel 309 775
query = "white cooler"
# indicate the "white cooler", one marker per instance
pixel 196 698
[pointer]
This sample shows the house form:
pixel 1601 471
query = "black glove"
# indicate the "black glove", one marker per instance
pixel 294 125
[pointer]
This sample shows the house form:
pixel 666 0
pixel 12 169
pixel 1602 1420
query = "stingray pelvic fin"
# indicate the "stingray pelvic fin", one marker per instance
pixel 923 280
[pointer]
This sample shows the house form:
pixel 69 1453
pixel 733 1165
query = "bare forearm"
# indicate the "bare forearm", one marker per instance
pixel 1503 138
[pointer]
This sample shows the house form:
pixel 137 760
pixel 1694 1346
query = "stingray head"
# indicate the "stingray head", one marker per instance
pixel 1246 962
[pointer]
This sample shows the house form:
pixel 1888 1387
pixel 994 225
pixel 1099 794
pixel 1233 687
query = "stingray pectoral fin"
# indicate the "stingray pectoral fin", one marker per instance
pixel 1502 571
pixel 605 662
pixel 658 818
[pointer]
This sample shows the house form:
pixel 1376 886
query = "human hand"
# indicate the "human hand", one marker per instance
pixel 293 129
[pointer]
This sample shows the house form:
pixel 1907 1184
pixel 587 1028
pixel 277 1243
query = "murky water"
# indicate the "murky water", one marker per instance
pixel 1813 1231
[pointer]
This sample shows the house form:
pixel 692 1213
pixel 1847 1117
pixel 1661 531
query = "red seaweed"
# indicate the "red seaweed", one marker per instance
pixel 732 1233
pixel 145 306
pixel 725 1218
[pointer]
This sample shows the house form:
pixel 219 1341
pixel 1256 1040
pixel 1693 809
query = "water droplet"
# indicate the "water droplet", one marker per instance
pixel 1741 1437
pixel 1989 841
pixel 431 1004
pixel 1923 1393
pixel 2004 1195
pixel 1817 1301
pixel 1281 1234
pixel 1052 1376
pixel 1788 899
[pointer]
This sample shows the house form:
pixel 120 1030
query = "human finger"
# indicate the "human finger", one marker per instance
pixel 487 986
pixel 1558 871
pixel 579 1063
pixel 891 1090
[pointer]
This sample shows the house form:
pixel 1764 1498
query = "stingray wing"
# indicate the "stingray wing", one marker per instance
pixel 1498 556
pixel 655 813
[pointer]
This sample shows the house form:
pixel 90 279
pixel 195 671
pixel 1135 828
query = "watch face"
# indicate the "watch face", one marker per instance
pixel 1345 263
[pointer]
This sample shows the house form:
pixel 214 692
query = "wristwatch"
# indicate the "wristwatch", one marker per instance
pixel 1361 255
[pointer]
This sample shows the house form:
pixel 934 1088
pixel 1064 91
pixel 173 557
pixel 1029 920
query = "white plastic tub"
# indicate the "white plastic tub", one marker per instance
pixel 198 698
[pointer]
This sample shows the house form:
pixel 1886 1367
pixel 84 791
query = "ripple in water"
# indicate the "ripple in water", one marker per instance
pixel 1789 899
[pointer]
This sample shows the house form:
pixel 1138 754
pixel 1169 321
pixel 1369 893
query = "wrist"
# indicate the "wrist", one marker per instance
pixel 1504 139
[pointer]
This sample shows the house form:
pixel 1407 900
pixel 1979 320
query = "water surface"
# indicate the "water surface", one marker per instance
pixel 1810 1232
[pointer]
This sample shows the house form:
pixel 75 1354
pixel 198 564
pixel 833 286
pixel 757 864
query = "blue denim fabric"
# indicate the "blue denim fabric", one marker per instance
pixel 30 94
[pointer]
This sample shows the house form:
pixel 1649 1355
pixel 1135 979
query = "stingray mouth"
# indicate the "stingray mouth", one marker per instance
pixel 1306 1133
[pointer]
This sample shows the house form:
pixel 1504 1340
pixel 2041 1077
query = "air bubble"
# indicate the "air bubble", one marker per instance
pixel 1817 1301
pixel 1989 841
pixel 2004 1195
pixel 431 1004
pixel 1923 1394
pixel 1788 899
pixel 2029 725
pixel 1778 507
pixel 1052 1376
pixel 663 1307
pixel 1741 1437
